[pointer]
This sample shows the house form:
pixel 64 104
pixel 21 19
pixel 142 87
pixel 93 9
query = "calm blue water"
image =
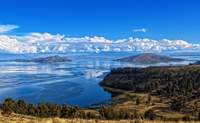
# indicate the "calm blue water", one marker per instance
pixel 74 83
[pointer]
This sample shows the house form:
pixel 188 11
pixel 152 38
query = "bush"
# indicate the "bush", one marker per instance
pixel 8 106
pixel 40 110
pixel 186 118
pixel 114 114
pixel 149 115
pixel 137 101
pixel 177 103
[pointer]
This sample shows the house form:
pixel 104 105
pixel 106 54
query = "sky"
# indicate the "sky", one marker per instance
pixel 113 19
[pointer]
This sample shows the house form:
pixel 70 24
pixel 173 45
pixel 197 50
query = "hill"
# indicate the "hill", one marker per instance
pixel 177 87
pixel 154 79
pixel 149 58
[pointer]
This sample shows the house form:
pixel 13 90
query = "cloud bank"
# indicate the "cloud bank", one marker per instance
pixel 57 43
pixel 49 43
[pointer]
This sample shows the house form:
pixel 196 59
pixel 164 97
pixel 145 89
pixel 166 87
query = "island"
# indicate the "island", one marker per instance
pixel 51 59
pixel 48 59
pixel 149 58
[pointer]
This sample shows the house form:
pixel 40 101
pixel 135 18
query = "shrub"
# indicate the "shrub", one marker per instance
pixel 149 115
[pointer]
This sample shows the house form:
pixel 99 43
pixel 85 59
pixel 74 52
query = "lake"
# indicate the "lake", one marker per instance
pixel 74 83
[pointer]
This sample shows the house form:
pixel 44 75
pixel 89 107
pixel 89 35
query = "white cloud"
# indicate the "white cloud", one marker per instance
pixel 7 28
pixel 140 30
pixel 57 43
pixel 12 45
pixel 40 37
pixel 49 43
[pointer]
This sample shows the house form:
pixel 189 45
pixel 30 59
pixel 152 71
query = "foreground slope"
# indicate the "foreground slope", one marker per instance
pixel 178 88
pixel 15 118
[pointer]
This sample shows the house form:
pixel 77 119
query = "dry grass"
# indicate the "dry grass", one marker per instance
pixel 15 118
pixel 126 101
pixel 159 106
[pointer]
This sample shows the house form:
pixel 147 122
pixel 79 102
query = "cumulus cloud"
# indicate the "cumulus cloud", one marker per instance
pixel 50 43
pixel 57 43
pixel 7 28
pixel 140 30
pixel 40 37
pixel 12 45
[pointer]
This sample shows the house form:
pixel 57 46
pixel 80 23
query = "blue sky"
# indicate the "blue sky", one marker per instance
pixel 114 19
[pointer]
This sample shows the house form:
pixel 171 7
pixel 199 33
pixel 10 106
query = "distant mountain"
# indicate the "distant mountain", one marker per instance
pixel 149 58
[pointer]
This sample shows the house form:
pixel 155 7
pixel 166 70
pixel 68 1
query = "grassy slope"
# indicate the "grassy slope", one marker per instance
pixel 127 101
pixel 14 118
pixel 159 106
